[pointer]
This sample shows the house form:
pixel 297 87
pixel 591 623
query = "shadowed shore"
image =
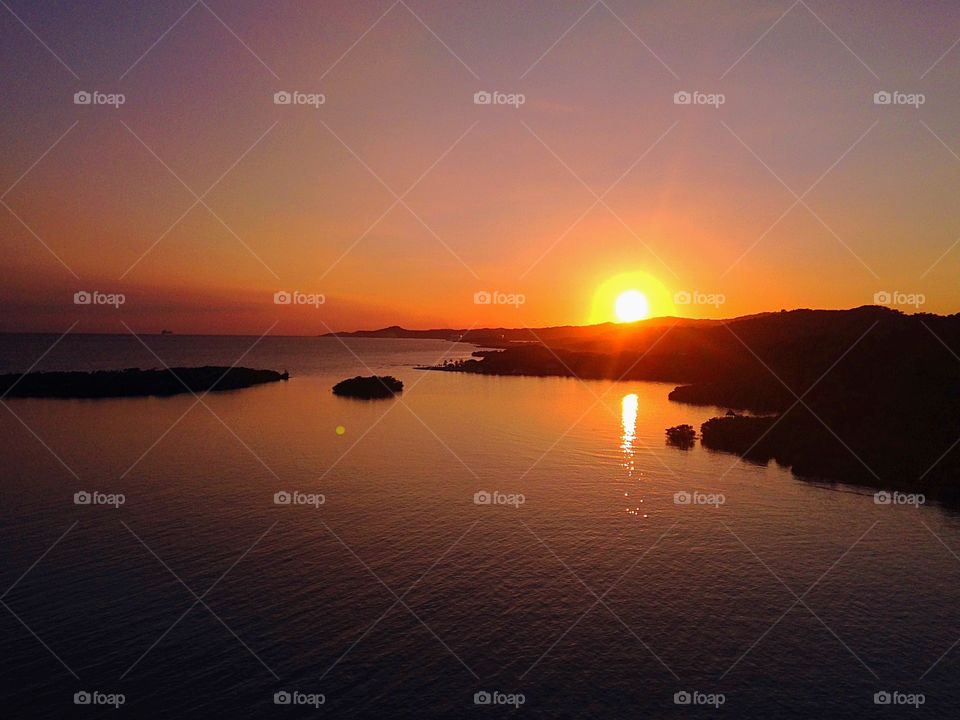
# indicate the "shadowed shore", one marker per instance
pixel 868 396
pixel 134 382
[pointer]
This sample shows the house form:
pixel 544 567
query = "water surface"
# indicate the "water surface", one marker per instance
pixel 399 596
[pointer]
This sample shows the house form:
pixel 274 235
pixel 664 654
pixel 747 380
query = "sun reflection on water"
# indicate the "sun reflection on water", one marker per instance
pixel 628 422
pixel 628 419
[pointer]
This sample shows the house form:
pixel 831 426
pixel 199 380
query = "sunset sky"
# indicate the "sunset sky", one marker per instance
pixel 693 198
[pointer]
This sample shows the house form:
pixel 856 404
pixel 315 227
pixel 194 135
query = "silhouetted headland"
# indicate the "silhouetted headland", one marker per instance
pixel 134 382
pixel 868 396
pixel 369 388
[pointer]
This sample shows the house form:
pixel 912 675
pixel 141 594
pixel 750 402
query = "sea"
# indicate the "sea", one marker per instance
pixel 477 546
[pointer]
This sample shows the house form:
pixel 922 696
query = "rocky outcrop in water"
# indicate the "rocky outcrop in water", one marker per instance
pixel 682 436
pixel 369 388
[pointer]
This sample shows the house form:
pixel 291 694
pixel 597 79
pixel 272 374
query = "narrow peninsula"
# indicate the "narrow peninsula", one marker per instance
pixel 134 382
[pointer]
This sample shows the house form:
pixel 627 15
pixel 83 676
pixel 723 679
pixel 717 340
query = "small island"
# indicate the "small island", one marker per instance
pixel 134 382
pixel 369 388
pixel 682 436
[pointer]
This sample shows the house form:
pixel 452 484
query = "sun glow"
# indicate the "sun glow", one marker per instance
pixel 628 297
pixel 628 420
pixel 631 305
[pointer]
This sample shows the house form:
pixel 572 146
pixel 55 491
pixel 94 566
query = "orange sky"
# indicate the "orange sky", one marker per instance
pixel 701 200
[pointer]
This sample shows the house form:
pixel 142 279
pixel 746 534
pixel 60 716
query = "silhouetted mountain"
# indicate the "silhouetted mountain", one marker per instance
pixel 506 337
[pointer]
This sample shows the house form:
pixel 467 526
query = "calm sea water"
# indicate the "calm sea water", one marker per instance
pixel 399 596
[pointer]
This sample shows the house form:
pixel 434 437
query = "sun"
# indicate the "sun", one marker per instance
pixel 627 297
pixel 631 305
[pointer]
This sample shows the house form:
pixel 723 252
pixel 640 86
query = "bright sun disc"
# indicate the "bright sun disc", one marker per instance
pixel 631 305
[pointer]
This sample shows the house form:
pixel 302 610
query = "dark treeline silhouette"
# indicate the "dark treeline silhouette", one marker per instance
pixel 133 382
pixel 879 390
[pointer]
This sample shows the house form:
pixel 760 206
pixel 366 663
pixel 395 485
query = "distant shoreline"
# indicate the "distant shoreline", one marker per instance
pixel 868 396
